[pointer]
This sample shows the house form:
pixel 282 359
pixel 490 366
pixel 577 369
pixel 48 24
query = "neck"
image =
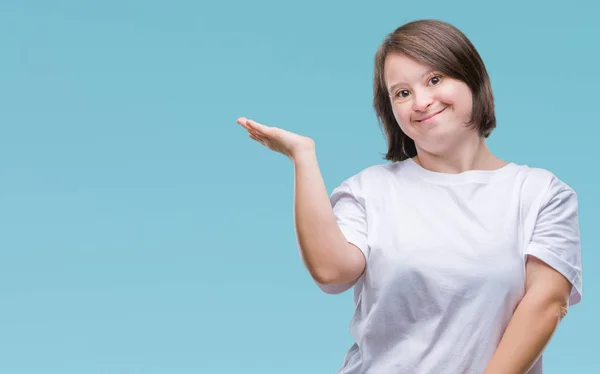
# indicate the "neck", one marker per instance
pixel 473 155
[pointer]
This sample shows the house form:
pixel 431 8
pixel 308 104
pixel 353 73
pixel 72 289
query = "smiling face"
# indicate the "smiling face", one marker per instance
pixel 432 109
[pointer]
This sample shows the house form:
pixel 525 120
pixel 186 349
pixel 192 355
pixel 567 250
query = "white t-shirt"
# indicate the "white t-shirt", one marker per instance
pixel 446 260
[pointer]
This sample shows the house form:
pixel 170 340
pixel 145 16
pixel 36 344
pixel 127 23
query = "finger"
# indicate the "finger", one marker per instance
pixel 253 126
pixel 256 134
pixel 258 139
pixel 243 121
pixel 262 129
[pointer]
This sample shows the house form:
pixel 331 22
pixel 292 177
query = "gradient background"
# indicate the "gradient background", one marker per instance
pixel 142 231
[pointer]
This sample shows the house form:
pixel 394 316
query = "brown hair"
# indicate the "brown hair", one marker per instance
pixel 446 49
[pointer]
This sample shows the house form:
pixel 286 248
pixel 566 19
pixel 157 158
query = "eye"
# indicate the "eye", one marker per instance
pixel 402 94
pixel 435 80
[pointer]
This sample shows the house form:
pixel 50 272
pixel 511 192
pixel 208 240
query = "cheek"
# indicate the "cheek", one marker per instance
pixel 402 116
pixel 462 100
pixel 464 108
pixel 459 101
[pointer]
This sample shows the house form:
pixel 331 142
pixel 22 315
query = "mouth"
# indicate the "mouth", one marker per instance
pixel 429 118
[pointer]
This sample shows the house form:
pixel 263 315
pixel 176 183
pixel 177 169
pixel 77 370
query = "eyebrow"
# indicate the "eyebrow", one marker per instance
pixel 395 85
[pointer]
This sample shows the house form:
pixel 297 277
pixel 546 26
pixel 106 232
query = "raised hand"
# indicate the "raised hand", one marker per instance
pixel 278 140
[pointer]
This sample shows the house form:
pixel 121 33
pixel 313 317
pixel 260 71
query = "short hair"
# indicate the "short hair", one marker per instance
pixel 446 49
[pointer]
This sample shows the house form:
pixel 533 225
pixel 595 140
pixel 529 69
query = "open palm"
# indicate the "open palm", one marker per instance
pixel 276 139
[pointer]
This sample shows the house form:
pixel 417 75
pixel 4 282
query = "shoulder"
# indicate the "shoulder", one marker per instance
pixel 375 176
pixel 372 183
pixel 541 188
pixel 544 181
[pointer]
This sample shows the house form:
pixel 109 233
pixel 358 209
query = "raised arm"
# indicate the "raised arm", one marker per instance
pixel 326 253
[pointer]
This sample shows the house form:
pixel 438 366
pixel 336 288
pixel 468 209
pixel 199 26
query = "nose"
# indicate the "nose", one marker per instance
pixel 421 101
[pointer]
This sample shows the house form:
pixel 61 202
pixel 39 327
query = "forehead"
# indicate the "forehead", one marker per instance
pixel 400 68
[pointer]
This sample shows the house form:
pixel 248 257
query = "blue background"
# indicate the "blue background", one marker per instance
pixel 142 231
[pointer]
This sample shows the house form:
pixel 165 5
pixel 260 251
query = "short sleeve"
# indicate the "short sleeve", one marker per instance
pixel 350 215
pixel 556 237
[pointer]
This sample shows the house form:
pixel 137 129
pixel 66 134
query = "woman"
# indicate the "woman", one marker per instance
pixel 460 262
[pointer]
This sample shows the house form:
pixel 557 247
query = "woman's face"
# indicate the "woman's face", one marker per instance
pixel 431 109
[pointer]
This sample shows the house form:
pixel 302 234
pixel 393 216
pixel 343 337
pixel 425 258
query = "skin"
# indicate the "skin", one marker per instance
pixel 444 144
pixel 329 258
pixel 534 321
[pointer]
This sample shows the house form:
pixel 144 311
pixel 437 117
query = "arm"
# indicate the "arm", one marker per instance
pixel 534 321
pixel 328 256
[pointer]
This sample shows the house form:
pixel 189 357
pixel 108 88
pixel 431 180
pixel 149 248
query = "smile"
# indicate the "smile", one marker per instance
pixel 428 119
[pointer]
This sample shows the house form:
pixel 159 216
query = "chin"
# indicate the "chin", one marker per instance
pixel 440 143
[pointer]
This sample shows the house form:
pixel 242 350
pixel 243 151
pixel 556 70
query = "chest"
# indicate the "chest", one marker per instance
pixel 456 239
